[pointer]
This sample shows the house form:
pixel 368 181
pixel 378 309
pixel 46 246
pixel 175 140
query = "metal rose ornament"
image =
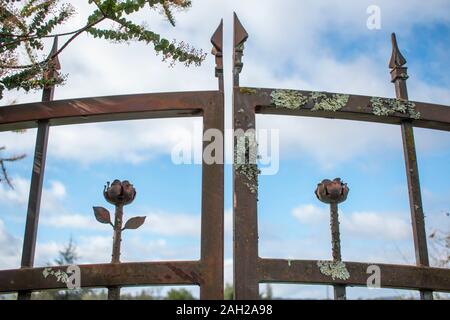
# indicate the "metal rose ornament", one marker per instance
pixel 119 194
pixel 332 191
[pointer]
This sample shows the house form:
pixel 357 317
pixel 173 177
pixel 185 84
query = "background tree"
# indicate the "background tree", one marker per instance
pixel 439 242
pixel 179 294
pixel 67 256
pixel 24 25
pixel 3 160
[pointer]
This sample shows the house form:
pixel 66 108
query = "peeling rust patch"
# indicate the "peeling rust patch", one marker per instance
pixel 192 277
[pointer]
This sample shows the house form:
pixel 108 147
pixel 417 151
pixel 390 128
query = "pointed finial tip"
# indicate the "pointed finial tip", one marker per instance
pixel 397 59
pixel 240 34
pixel 217 37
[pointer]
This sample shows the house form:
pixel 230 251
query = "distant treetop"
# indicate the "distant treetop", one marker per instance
pixel 24 25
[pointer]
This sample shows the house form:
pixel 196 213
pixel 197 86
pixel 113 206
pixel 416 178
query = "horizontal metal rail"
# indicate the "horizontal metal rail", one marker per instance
pixel 124 107
pixel 359 108
pixel 392 276
pixel 109 274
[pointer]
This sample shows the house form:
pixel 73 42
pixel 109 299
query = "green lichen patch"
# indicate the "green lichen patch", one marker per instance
pixel 388 107
pixel 291 99
pixel 324 103
pixel 245 157
pixel 334 269
pixel 247 90
pixel 60 276
pixel 250 172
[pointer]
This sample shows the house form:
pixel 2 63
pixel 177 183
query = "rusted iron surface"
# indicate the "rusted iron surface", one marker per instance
pixel 212 220
pixel 217 51
pixel 433 116
pixel 208 271
pixel 399 76
pixel 240 35
pixel 37 177
pixel 249 269
pixel 110 274
pixel 245 228
pixel 85 110
pixel 393 276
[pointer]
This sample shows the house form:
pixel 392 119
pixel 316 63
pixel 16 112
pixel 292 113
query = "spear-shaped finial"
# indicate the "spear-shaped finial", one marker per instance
pixel 397 62
pixel 240 36
pixel 217 50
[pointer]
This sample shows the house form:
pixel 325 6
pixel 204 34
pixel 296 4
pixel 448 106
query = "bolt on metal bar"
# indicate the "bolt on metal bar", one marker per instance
pixel 37 180
pixel 398 77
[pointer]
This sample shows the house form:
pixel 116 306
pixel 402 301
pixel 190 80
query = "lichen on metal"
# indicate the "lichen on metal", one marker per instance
pixel 291 99
pixel 388 107
pixel 244 90
pixel 324 103
pixel 245 157
pixel 334 269
pixel 60 276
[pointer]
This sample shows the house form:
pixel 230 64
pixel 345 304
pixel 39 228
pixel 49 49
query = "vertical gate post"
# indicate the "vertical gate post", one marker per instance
pixel 212 219
pixel 245 223
pixel 398 77
pixel 37 179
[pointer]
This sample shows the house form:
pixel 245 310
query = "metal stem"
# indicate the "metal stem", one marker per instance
pixel 114 291
pixel 339 290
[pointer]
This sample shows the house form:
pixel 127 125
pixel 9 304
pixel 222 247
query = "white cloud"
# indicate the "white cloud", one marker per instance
pixel 172 224
pixel 97 249
pixel 376 225
pixel 72 221
pixel 363 225
pixel 129 141
pixel 157 223
pixel 10 248
pixel 107 69
pixel 310 214
pixel 18 197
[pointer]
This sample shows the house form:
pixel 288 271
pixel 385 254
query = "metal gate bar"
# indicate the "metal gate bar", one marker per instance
pixel 208 271
pixel 249 269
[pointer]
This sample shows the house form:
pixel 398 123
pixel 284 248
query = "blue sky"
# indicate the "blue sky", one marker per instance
pixel 310 45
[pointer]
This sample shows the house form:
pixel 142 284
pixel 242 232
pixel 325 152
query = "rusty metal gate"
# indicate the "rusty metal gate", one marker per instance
pixel 249 269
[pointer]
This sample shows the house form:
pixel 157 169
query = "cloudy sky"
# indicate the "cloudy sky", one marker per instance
pixel 308 45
